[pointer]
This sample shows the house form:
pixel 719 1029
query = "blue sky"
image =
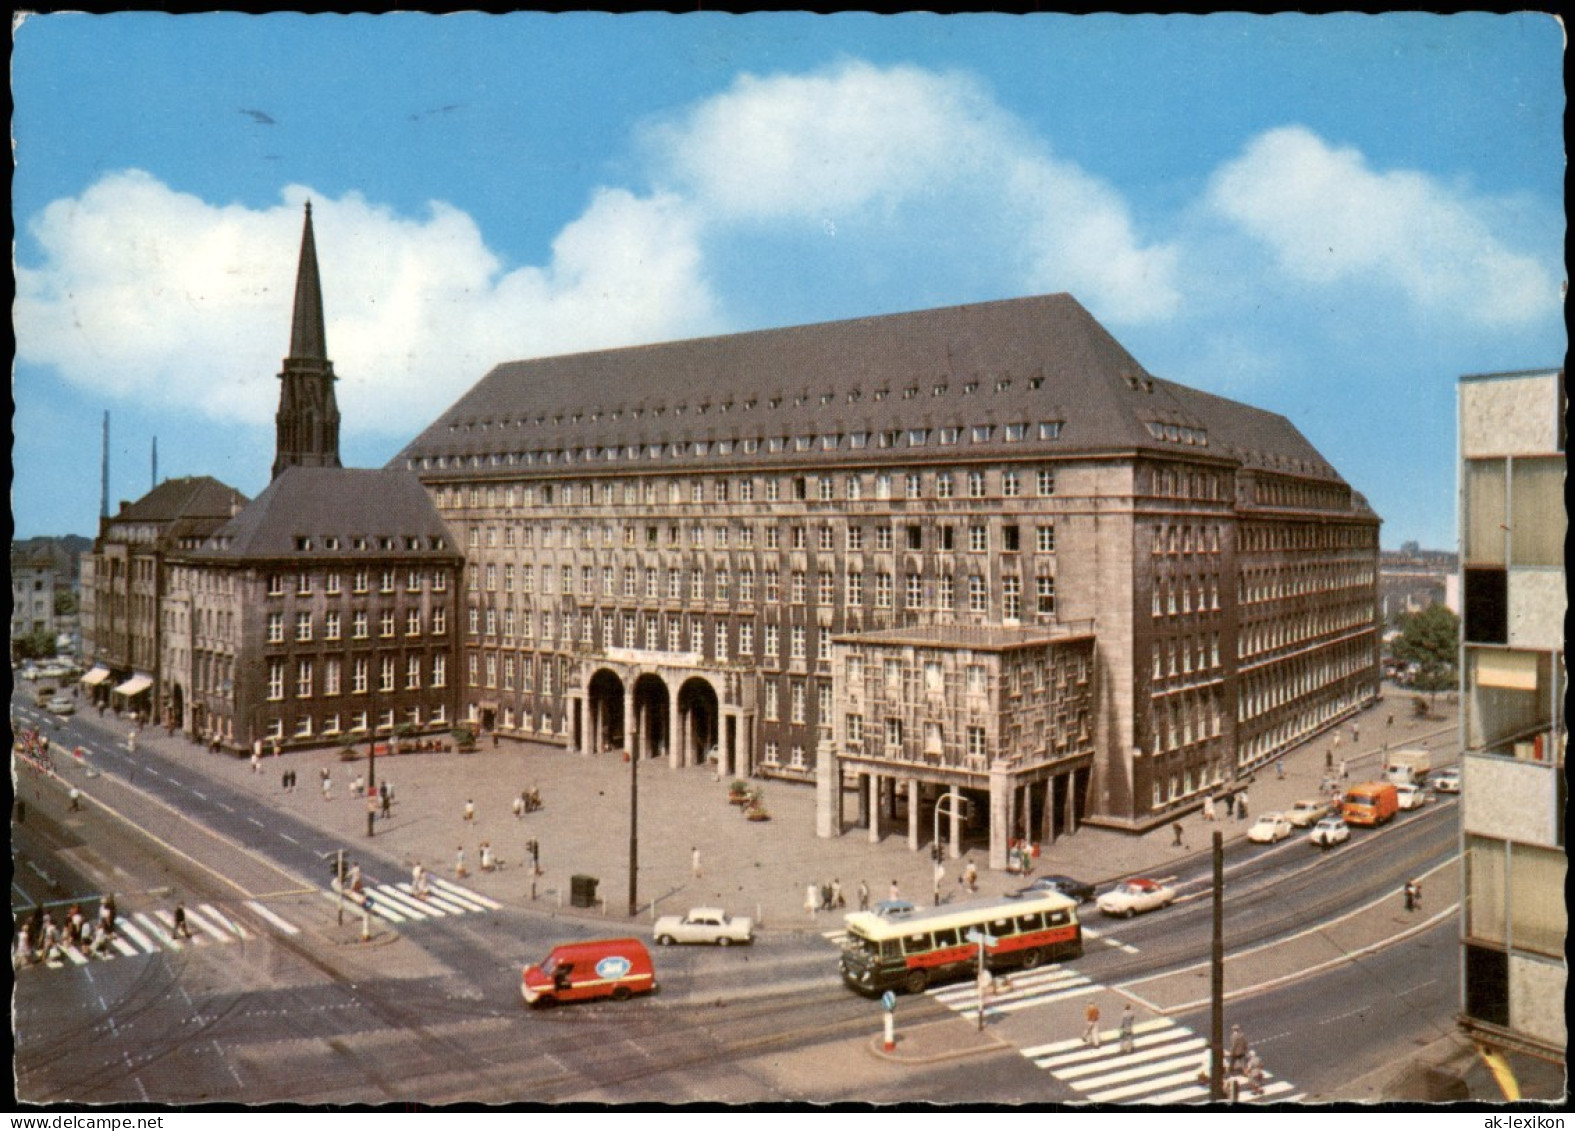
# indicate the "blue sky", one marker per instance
pixel 1331 217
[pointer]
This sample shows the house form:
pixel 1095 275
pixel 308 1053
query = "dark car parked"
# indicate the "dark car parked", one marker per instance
pixel 1065 885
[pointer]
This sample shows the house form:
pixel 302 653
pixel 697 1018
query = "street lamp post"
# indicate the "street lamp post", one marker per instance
pixel 634 818
pixel 960 810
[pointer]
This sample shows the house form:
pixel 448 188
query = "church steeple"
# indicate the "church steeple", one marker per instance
pixel 308 418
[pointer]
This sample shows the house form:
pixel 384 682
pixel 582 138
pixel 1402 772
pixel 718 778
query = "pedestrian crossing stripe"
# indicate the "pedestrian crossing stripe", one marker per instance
pixel 1100 936
pixel 398 903
pixel 283 924
pixel 225 921
pixel 1162 1067
pixel 1016 992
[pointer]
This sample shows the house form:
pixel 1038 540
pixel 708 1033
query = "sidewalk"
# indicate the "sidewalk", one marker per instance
pixel 756 868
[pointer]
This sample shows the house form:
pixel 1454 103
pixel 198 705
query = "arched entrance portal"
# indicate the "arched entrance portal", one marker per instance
pixel 650 717
pixel 698 716
pixel 605 696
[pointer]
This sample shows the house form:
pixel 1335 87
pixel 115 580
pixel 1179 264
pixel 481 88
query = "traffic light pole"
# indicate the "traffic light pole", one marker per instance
pixel 1217 977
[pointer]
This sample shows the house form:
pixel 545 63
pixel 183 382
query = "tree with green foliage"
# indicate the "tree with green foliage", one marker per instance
pixel 1430 639
pixel 65 603
pixel 38 645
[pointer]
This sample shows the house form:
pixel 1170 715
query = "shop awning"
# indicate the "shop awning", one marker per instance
pixel 136 685
pixel 96 677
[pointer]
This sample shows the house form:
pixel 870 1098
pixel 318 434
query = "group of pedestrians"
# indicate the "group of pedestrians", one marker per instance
pixel 41 939
pixel 829 897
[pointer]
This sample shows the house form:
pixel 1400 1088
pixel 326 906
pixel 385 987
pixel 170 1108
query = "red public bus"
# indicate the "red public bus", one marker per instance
pixel 913 951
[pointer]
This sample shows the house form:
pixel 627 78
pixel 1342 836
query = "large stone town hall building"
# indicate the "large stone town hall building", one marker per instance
pixel 978 549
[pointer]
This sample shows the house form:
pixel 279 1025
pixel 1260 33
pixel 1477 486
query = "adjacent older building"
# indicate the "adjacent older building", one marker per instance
pixel 1514 918
pixel 325 610
pixel 128 575
pixel 680 549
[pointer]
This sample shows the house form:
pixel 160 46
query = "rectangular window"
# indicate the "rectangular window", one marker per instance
pixel 979 539
pixel 772 640
pixel 1046 594
pixel 412 622
pixel 332 585
pixel 358 675
pixel 303 626
pixel 746 639
pixel 946 591
pixel 1012 598
pixel 796 642
pixel 331 625
pixel 883 590
pixel 276 628
pixel 385 623
pixel 855 538
pixel 894 732
pixel 978 595
pixel 1011 540
pixel 1046 480
pixel 855 586
pixel 796 701
pixel 855 729
pixel 386 674
pixel 412 673
pixel 332 672
pixel 1046 539
pixel 976 484
pixel 439 671
pixel 1011 484
pixel 439 621
pixel 275 680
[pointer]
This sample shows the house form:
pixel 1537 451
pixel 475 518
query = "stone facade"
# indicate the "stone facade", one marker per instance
pixel 715 515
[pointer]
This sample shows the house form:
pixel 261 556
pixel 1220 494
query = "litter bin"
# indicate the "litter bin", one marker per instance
pixel 582 891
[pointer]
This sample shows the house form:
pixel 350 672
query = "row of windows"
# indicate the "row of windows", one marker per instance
pixel 919 437
pixel 410 542
pixel 944 539
pixel 306 685
pixel 1282 632
pixel 853 487
pixel 1186 656
pixel 1255 585
pixel 1273 537
pixel 1265 691
pixel 1274 492
pixel 336 724
pixel 1177 721
pixel 1178 596
pixel 858 739
pixel 360 625
pixel 747 404
pixel 1186 539
pixel 361 582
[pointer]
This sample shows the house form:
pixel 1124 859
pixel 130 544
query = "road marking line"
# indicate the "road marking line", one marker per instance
pixel 123 946
pixel 158 931
pixel 1113 1094
pixel 194 916
pixel 1154 1045
pixel 196 793
pixel 142 940
pixel 290 838
pixel 1176 1055
pixel 355 905
pixel 168 920
pixel 466 894
pixel 224 919
pixel 1148 1026
pixel 284 925
pixel 399 895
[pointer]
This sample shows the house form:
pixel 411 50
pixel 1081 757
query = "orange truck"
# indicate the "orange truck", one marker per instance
pixel 1370 803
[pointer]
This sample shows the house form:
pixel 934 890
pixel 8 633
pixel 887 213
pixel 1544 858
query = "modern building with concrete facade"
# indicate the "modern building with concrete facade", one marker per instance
pixel 1514 918
pixel 677 549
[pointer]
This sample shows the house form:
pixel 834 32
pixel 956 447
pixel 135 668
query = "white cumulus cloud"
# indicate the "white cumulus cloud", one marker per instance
pixel 1330 218
pixel 142 291
pixel 857 142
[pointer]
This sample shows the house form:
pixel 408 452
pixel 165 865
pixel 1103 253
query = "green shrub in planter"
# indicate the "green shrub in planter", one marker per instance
pixel 349 754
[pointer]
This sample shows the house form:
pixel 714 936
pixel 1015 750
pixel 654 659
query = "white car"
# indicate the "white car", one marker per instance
pixel 1411 796
pixel 704 925
pixel 1447 781
pixel 1305 814
pixel 1135 895
pixel 1329 832
pixel 1271 828
pixel 61 705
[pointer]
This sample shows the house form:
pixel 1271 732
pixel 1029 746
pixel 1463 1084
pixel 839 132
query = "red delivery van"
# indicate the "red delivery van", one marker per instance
pixel 615 968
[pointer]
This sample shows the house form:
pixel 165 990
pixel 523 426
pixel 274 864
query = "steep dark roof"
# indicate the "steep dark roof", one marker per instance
pixel 1040 373
pixel 308 339
pixel 193 497
pixel 332 512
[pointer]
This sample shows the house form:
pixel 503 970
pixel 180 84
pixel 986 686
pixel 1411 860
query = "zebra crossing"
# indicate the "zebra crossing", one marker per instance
pixel 153 932
pixel 1011 993
pixel 398 903
pixel 1162 1067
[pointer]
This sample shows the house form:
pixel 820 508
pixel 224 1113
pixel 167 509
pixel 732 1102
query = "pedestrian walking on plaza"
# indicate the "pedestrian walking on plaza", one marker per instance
pixel 1328 759
pixel 355 876
pixel 1176 828
pixel 1279 768
pixel 825 897
pixel 256 761
pixel 387 800
pixel 1241 806
pixel 519 806
pixel 470 810
pixel 328 789
pixel 1230 804
pixel 284 781
pixel 1091 1026
pixel 1128 1036
pixel 1209 813
pixel 1356 733
pixel 893 894
pixel 131 742
pixel 864 896
pixel 459 863
pixel 418 881
pixel 837 900
pixel 970 876
pixel 1344 774
pixel 76 799
pixel 181 929
pixel 487 862
pixel 694 862
pixel 812 899
pixel 1236 1054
